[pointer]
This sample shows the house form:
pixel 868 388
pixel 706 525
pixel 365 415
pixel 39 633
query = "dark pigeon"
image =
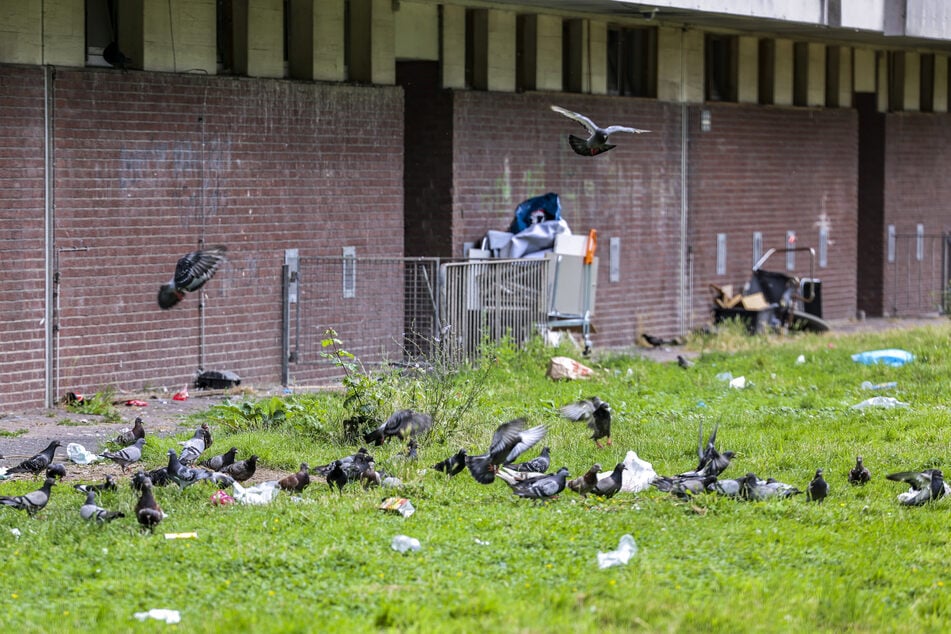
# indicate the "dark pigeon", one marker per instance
pixel 219 462
pixel 509 441
pixel 126 456
pixel 684 362
pixel 56 470
pixel 32 502
pixel 242 469
pixel 453 464
pixel 596 413
pixel 129 436
pixel 926 486
pixel 712 462
pixel 541 487
pixel 108 485
pixel 585 484
pixel 754 489
pixel 336 476
pixel 402 424
pixel 859 474
pixel 538 464
pixel 92 511
pixel 114 57
pixel 37 463
pixel 683 486
pixel 818 488
pixel 147 510
pixel 296 482
pixel 597 141
pixel 362 456
pixel 185 476
pixel 609 486
pixel 191 273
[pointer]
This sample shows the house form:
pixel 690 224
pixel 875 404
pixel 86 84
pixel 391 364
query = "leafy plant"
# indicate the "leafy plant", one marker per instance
pixel 99 404
pixel 250 415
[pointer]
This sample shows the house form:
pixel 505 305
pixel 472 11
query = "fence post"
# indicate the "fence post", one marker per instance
pixel 285 325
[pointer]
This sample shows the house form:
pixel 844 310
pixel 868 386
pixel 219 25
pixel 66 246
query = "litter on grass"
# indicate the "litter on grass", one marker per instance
pixel 258 494
pixel 398 505
pixel 402 544
pixel 892 356
pixel 868 385
pixel 160 614
pixel 738 383
pixel 886 402
pixel 181 535
pixel 626 549
pixel 637 475
pixel 80 455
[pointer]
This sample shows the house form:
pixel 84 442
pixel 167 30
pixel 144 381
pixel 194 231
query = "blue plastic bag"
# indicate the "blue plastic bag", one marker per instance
pixel 535 210
pixel 892 356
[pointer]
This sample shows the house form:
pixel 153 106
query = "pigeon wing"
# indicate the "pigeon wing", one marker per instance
pixel 620 128
pixel 916 480
pixel 197 267
pixel 580 118
pixel 527 439
pixel 582 410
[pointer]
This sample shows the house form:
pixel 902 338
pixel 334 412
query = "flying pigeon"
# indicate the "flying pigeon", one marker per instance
pixel 596 413
pixel 125 457
pixel 219 462
pixel 509 441
pixel 453 464
pixel 541 487
pixel 241 470
pixel 296 482
pixel 404 423
pixel 191 273
pixel 538 464
pixel 129 436
pixel 90 510
pixel 926 486
pixel 147 510
pixel 37 463
pixel 712 462
pixel 585 483
pixel 56 470
pixel 32 502
pixel 859 474
pixel 818 488
pixel 752 488
pixel 195 446
pixel 609 486
pixel 597 142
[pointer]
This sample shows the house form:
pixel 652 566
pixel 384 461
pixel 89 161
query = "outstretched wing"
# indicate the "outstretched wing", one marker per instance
pixel 621 128
pixel 197 267
pixel 580 118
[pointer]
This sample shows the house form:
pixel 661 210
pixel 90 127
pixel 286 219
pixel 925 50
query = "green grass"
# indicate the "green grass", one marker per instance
pixel 858 562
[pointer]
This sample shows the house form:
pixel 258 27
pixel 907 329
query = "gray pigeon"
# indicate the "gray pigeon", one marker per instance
pixel 32 502
pixel 609 486
pixel 712 462
pixel 194 446
pixel 182 475
pixel 403 424
pixel 56 470
pixel 125 457
pixel 926 486
pixel 217 463
pixel 593 411
pixel 37 463
pixel 541 487
pixel 683 486
pixel 597 141
pixel 729 488
pixel 191 273
pixel 752 488
pixel 509 441
pixel 453 464
pixel 818 488
pixel 539 464
pixel 90 510
pixel 859 474
pixel 684 362
pixel 585 483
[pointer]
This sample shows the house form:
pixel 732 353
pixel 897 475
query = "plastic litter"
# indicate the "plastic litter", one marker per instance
pixel 258 494
pixel 181 535
pixel 391 482
pixel 868 385
pixel 80 455
pixel 892 356
pixel 886 402
pixel 738 383
pixel 134 402
pixel 221 498
pixel 567 368
pixel 160 614
pixel 15 532
pixel 800 359
pixel 220 380
pixel 3 472
pixel 637 475
pixel 626 549
pixel 726 377
pixel 181 395
pixel 398 505
pixel 402 544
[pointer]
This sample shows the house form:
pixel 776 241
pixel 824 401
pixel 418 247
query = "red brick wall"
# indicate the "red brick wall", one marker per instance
pixel 774 170
pixel 22 285
pixel 147 165
pixel 509 147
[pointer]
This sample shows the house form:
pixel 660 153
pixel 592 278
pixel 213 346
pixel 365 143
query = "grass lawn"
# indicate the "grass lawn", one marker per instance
pixel 489 561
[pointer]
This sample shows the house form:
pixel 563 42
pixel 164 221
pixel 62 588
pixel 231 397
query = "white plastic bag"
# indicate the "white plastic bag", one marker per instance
pixel 626 549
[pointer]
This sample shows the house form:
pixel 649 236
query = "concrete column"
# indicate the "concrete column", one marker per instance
pixel 416 28
pixel 21 27
pixel 783 73
pixel 680 65
pixel 940 83
pixel 169 35
pixel 64 36
pixel 863 71
pixel 453 46
pixel 500 47
pixel 816 79
pixel 316 40
pixel 912 85
pixel 258 37
pixel 598 66
pixel 747 90
pixel 881 85
pixel 541 57
pixel 372 42
pixel 587 56
pixel 845 77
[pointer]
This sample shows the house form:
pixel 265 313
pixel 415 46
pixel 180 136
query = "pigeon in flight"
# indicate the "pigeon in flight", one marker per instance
pixel 403 424
pixel 32 502
pixel 129 436
pixel 37 463
pixel 125 457
pixel 191 273
pixel 538 464
pixel 926 486
pixel 818 488
pixel 453 464
pixel 541 487
pixel 859 474
pixel 597 142
pixel 596 413
pixel 509 441
pixel 712 462
pixel 92 511
pixel 147 510
pixel 219 462
pixel 584 484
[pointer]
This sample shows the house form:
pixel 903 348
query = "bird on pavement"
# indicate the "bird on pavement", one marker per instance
pixel 926 486
pixel 859 474
pixel 126 456
pixel 219 462
pixel 129 436
pixel 597 141
pixel 296 482
pixel 453 464
pixel 90 510
pixel 37 463
pixel 147 510
pixel 818 488
pixel 539 464
pixel 609 486
pixel 402 424
pixel 32 502
pixel 191 273
pixel 585 483
pixel 596 413
pixel 541 487
pixel 509 441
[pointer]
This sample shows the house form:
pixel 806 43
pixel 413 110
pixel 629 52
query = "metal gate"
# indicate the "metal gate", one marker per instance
pixel 917 273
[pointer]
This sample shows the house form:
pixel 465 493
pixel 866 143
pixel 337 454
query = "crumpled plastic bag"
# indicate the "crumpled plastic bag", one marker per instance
pixel 567 368
pixel 892 356
pixel 886 402
pixel 160 614
pixel 262 493
pixel 80 455
pixel 626 549
pixel 637 475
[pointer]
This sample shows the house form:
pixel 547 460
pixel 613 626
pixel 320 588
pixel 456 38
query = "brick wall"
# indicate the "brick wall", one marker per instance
pixel 774 170
pixel 22 285
pixel 148 165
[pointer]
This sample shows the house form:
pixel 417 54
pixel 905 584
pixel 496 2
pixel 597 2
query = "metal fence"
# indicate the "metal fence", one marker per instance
pixel 917 273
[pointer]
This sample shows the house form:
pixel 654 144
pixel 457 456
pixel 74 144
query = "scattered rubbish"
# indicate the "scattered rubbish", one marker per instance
pixel 738 383
pixel 258 494
pixel 3 472
pixel 216 380
pixel 398 505
pixel 868 385
pixel 625 550
pixel 482 542
pixel 892 356
pixel 567 368
pixel 402 544
pixel 171 617
pixel 74 398
pixel 221 498
pixel 132 402
pixel 725 377
pixel 800 359
pixel 880 401
pixel 637 475
pixel 181 535
pixel 181 395
pixel 80 455
pixel 15 532
pixel 391 482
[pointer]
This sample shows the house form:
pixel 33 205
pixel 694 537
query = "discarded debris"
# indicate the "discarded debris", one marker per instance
pixel 892 356
pixel 221 498
pixel 160 614
pixel 258 494
pixel 181 535
pixel 80 455
pixel 626 549
pixel 398 505
pixel 567 368
pixel 738 383
pixel 402 544
pixel 216 380
pixel 868 385
pixel 886 402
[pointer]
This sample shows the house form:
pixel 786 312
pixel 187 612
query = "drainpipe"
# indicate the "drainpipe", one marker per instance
pixel 49 252
pixel 684 273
